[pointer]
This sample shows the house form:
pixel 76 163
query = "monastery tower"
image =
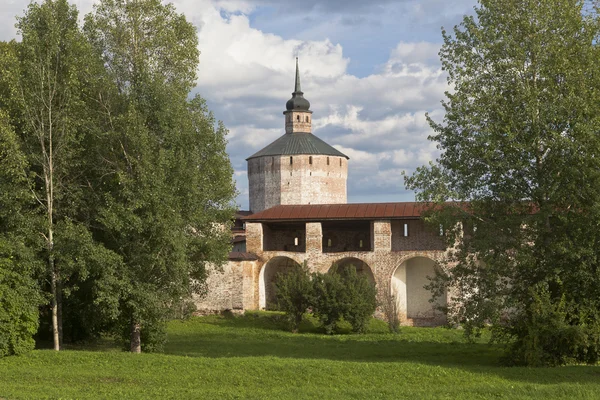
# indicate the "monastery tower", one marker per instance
pixel 297 168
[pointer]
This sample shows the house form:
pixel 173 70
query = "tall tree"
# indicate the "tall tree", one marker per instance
pixel 51 58
pixel 164 171
pixel 519 157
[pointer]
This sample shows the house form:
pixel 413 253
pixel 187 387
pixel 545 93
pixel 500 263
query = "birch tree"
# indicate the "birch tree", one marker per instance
pixel 52 58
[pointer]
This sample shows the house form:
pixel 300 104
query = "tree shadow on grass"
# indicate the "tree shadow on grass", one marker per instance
pixel 252 338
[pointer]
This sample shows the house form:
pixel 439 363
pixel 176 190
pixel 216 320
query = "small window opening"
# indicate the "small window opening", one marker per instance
pixel 306 119
pixel 340 162
pixel 327 160
pixel 328 242
pixel 360 243
pixel 310 160
pixel 298 118
pixel 291 160
pixel 405 229
pixel 295 241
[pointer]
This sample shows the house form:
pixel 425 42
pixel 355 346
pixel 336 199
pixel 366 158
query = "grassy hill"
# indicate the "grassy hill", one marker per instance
pixel 250 357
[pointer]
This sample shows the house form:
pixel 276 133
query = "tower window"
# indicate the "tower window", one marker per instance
pixel 291 160
pixel 310 160
pixel 327 160
pixel 298 118
pixel 307 119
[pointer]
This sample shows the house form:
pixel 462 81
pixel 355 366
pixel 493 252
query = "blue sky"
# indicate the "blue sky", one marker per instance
pixel 369 68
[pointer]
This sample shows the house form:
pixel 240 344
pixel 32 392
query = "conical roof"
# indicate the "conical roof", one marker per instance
pixel 298 143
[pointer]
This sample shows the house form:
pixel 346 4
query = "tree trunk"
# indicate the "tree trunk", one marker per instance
pixel 53 280
pixel 135 338
pixel 59 309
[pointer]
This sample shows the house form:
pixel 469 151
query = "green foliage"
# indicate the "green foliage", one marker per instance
pixel 519 160
pixel 329 306
pixel 344 294
pixel 294 294
pixel 164 177
pixel 359 295
pixel 132 187
pixel 547 335
pixel 19 292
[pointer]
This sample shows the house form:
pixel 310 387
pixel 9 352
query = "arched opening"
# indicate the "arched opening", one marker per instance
pixel 310 160
pixel 267 277
pixel 412 299
pixel 307 118
pixel 361 267
pixel 298 118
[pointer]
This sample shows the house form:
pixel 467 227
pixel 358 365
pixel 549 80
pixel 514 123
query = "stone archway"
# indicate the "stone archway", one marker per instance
pixel 361 266
pixel 412 299
pixel 266 280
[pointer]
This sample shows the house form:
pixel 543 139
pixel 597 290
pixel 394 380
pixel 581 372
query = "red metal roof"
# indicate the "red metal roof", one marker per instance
pixel 340 211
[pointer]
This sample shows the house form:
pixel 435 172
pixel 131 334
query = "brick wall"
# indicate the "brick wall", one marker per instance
pixel 389 268
pixel 298 179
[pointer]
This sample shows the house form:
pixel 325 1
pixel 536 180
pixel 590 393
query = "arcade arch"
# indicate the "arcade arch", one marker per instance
pixel 266 279
pixel 361 266
pixel 412 298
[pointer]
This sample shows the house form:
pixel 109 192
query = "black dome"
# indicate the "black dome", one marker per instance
pixel 297 102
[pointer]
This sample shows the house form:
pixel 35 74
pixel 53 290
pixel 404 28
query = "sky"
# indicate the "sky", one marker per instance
pixel 369 68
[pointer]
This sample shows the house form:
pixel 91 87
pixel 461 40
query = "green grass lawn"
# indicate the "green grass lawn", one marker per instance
pixel 250 357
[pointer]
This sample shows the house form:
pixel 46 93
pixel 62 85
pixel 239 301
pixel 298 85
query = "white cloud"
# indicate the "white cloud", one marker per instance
pixel 247 75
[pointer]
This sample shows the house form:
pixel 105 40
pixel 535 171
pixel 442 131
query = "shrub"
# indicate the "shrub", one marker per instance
pixel 359 298
pixel 294 294
pixel 329 303
pixel 552 332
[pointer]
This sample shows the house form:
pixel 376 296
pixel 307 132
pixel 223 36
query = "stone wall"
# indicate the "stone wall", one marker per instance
pixel 297 179
pixel 230 287
pixel 389 268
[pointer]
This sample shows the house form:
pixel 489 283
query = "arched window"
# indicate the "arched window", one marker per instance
pixel 298 118
pixel 310 160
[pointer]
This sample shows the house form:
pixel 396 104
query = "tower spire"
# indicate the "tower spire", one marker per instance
pixel 297 88
pixel 297 102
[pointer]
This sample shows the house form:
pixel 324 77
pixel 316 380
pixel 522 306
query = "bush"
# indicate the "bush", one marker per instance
pixel 344 293
pixel 329 304
pixel 553 332
pixel 294 294
pixel 358 296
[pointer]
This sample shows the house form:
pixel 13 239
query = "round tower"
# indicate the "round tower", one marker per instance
pixel 297 168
